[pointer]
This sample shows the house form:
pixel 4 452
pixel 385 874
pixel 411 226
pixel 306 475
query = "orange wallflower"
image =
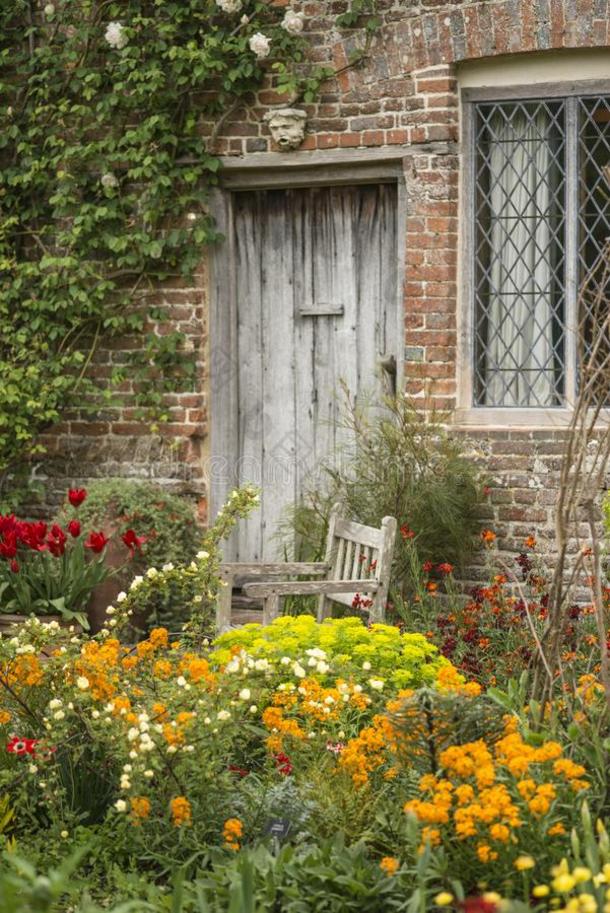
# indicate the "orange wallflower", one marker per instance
pixel 180 808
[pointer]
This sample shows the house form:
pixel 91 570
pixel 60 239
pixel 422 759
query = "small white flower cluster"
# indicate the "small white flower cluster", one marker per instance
pixel 109 180
pixel 229 6
pixel 293 22
pixel 260 45
pixel 115 35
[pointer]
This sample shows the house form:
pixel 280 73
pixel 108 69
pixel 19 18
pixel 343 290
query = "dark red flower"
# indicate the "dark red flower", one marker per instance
pixel 132 541
pixel 76 496
pixel 8 545
pixel 33 535
pixel 283 764
pixel 18 745
pixel 74 528
pixel 56 541
pixel 96 542
pixel 240 771
pixel 406 533
pixel 427 566
pixel 478 905
pixel 444 568
pixel 14 566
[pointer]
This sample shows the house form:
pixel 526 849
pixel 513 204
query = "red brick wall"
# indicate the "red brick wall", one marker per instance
pixel 405 95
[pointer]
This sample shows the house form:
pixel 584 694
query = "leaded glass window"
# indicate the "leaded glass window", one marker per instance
pixel 541 220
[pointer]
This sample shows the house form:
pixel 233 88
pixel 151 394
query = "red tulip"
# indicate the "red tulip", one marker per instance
pixel 132 541
pixel 96 542
pixel 56 541
pixel 76 496
pixel 74 528
pixel 14 566
pixel 8 546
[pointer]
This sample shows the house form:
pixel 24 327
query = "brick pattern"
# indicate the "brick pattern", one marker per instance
pixel 405 95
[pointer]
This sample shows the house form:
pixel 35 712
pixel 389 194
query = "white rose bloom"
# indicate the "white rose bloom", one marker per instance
pixel 181 681
pixel 366 666
pixel 136 582
pixel 203 555
pixel 229 6
pixel 322 667
pixel 299 671
pixel 149 773
pixel 168 567
pixel 376 684
pixel 110 610
pixel 115 35
pixel 54 704
pixel 151 572
pixel 133 734
pixel 293 22
pixel 95 714
pixel 82 682
pixel 260 45
pixel 261 665
pixel 59 715
pixel 253 708
pixel 121 597
pixel 223 715
pixel 244 694
pixel 120 805
pixel 49 9
pixel 109 180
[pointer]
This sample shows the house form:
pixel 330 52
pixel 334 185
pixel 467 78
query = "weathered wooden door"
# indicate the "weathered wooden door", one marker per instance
pixel 313 305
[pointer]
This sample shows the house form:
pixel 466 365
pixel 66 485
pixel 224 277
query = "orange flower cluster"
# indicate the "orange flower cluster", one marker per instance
pixel 180 808
pixel 140 808
pixel 26 670
pixel 489 792
pixel 98 663
pixel 232 833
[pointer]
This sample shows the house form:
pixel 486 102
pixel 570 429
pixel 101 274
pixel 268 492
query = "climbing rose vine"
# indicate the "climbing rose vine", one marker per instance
pixel 108 116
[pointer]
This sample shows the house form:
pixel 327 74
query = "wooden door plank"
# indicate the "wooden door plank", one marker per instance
pixel 279 423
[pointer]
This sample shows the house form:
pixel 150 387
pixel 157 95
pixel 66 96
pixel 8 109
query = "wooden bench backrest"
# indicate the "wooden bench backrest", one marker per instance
pixel 358 552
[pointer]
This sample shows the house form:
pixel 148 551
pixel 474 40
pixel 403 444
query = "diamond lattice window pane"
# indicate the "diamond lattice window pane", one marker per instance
pixel 519 256
pixel 594 226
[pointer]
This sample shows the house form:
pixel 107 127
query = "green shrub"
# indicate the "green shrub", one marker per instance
pixel 167 520
pixel 402 465
pixel 345 644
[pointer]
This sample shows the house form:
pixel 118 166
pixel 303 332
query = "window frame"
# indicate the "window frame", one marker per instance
pixel 467 413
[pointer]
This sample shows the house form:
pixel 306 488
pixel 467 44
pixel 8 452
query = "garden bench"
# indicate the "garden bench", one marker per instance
pixel 355 572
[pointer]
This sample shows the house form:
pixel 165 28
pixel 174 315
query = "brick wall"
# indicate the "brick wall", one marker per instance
pixel 405 96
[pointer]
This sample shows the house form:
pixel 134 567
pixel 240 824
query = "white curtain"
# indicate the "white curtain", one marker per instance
pixel 520 368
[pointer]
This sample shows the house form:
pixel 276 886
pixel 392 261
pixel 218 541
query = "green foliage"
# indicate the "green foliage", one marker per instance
pixel 184 596
pixel 105 169
pixel 403 465
pixel 167 520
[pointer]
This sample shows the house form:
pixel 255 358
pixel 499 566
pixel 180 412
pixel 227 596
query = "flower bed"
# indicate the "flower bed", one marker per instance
pixel 298 767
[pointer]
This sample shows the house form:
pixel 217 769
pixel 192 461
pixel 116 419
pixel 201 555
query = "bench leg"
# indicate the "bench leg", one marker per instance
pixel 271 608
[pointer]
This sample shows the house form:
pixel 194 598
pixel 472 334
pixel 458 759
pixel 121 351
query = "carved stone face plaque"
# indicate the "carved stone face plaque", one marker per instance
pixel 287 127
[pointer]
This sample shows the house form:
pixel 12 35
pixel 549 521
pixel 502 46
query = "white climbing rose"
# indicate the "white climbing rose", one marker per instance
pixel 109 180
pixel 293 22
pixel 229 6
pixel 260 45
pixel 115 35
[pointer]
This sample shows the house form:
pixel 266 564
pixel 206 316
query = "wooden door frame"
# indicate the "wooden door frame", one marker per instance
pixel 263 172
